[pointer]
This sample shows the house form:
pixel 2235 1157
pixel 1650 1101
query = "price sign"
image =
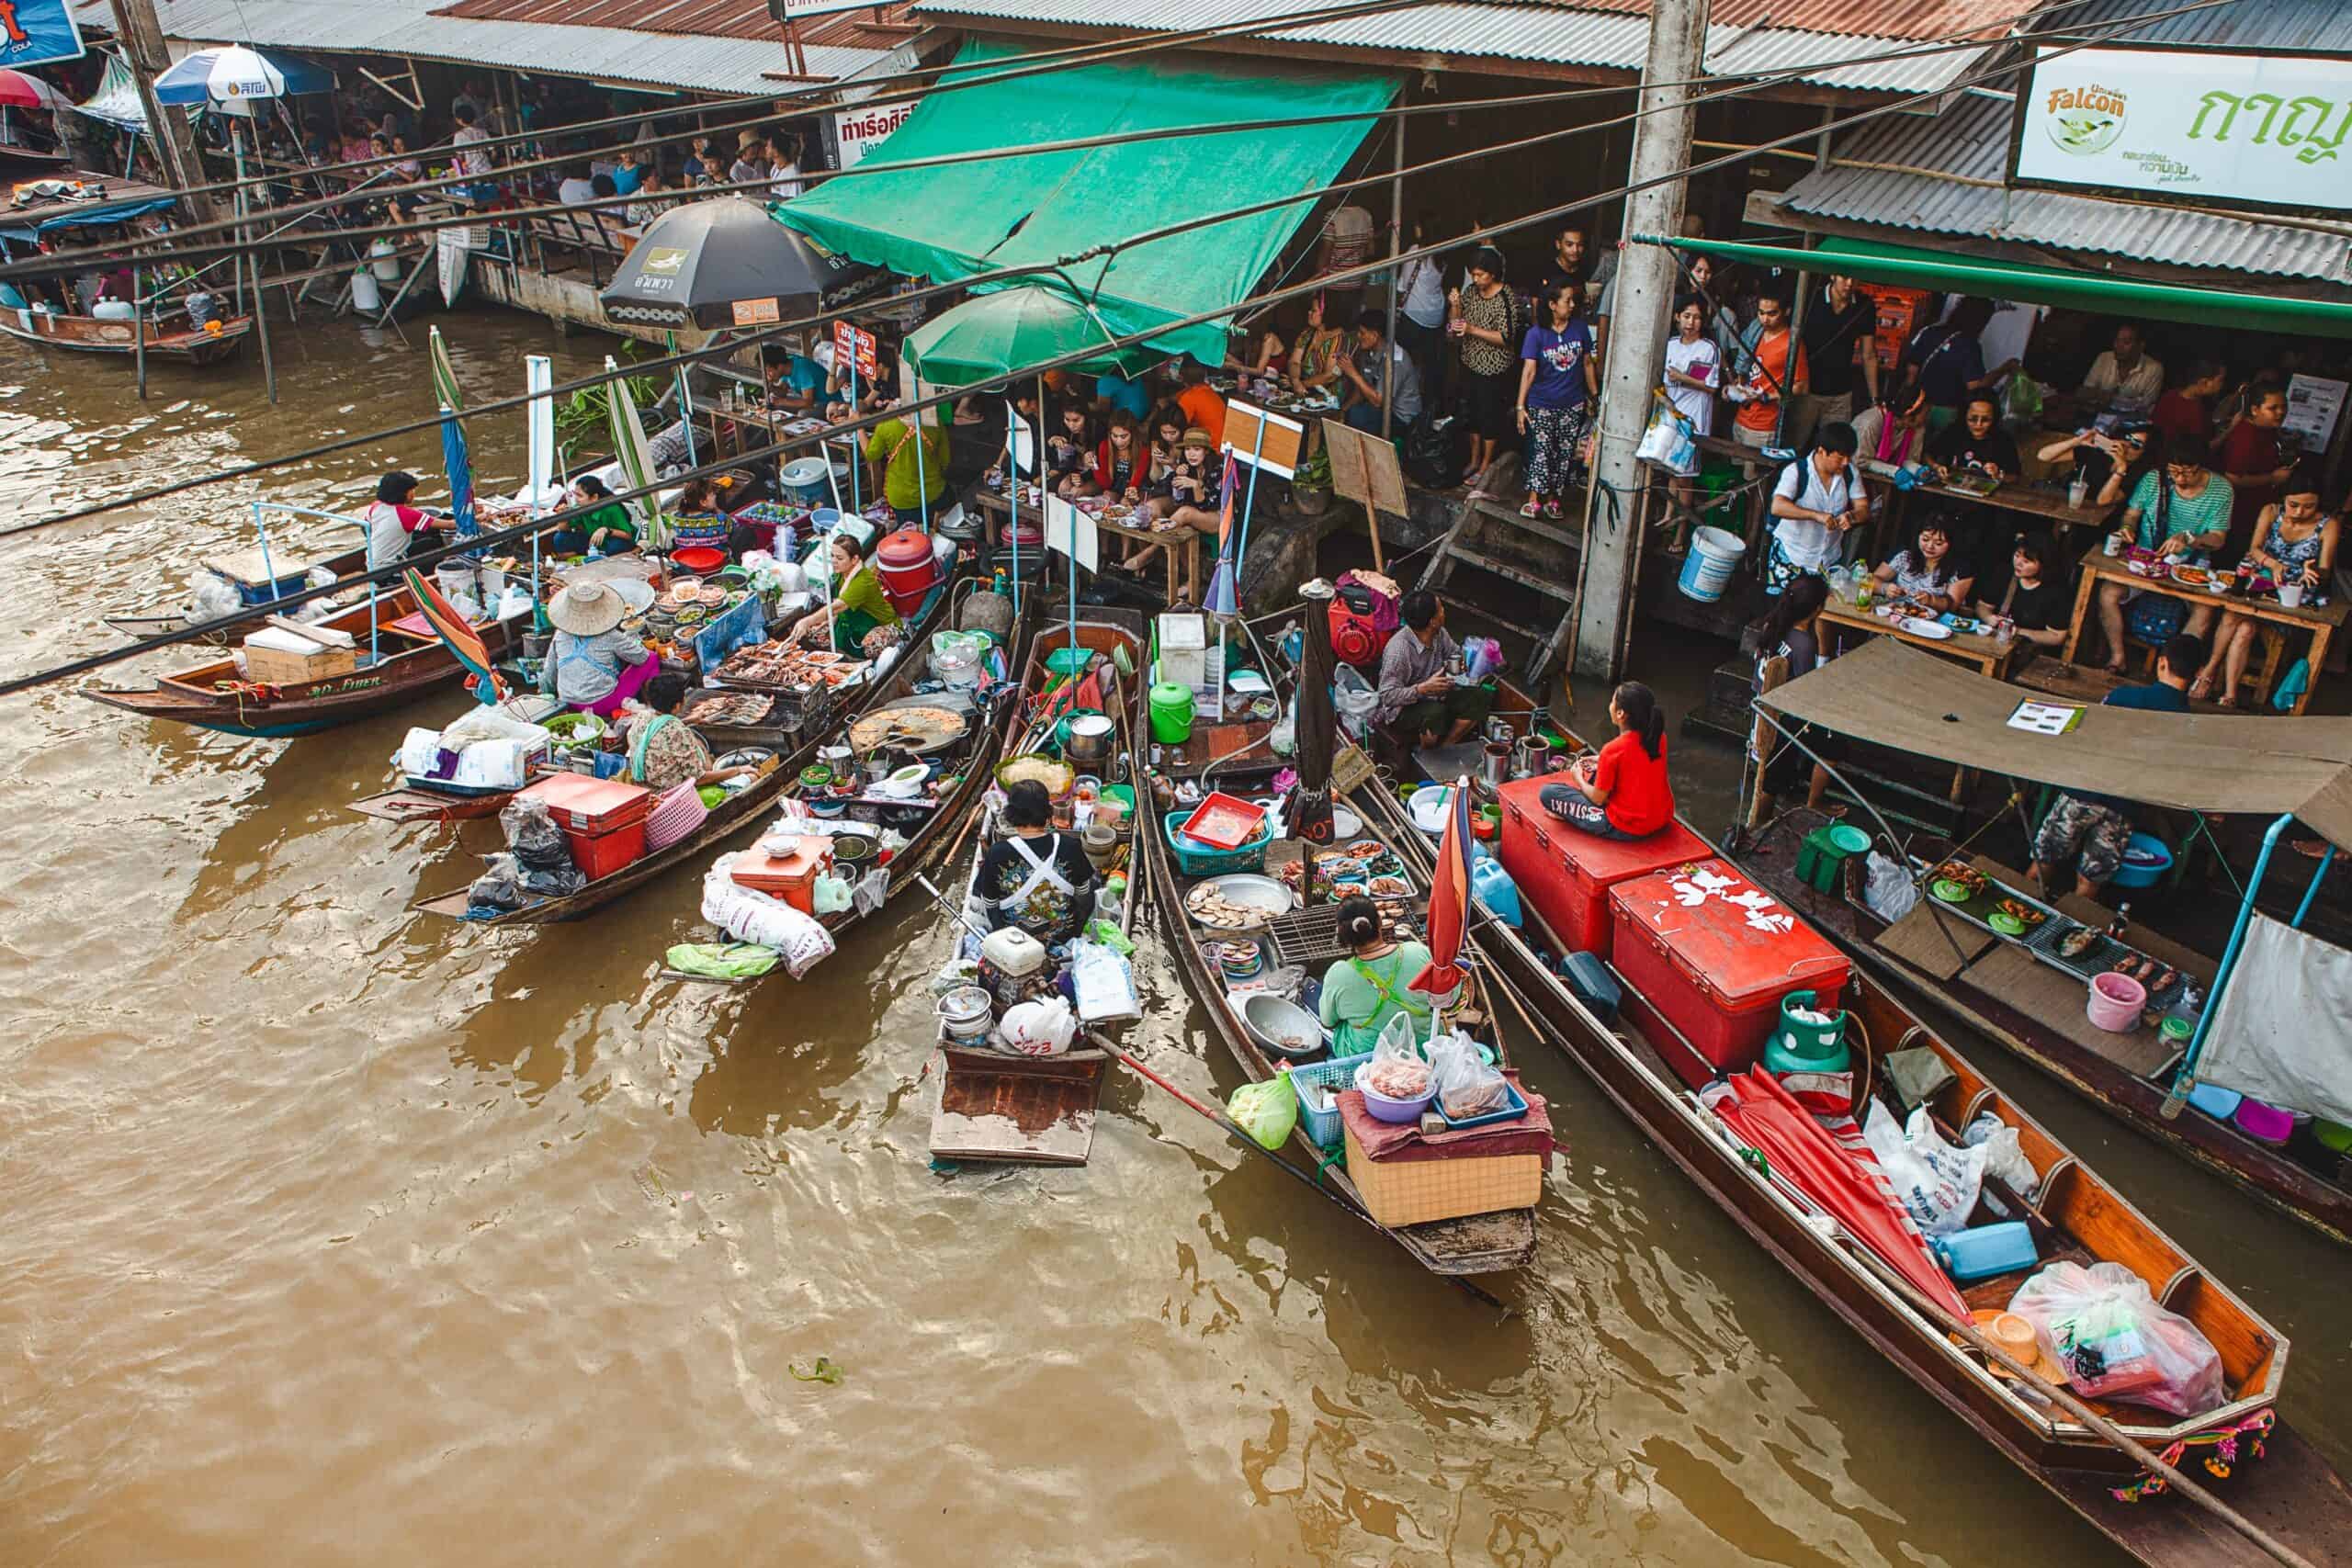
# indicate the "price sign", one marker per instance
pixel 852 345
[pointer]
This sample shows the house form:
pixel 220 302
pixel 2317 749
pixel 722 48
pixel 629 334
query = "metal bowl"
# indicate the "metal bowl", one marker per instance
pixel 1283 1028
pixel 1261 895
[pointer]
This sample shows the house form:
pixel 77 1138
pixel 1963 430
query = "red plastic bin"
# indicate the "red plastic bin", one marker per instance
pixel 585 805
pixel 1715 968
pixel 1567 874
pixel 599 855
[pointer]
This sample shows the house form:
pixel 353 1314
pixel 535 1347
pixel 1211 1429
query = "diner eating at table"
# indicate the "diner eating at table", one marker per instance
pixel 1927 570
pixel 1977 445
pixel 2255 462
pixel 2295 542
pixel 2034 605
pixel 2180 511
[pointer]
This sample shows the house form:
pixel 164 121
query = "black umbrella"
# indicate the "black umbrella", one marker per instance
pixel 721 262
pixel 1309 812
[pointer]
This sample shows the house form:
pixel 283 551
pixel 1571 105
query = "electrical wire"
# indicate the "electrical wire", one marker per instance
pixel 158 250
pixel 1362 273
pixel 734 345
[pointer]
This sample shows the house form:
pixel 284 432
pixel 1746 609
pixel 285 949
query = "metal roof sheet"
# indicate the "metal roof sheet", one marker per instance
pixel 718 64
pixel 704 19
pixel 2323 25
pixel 1610 34
pixel 1943 175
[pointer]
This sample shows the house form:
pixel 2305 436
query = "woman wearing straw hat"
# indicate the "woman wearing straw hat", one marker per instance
pixel 594 666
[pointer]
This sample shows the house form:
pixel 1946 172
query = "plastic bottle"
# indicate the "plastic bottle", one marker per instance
pixel 1862 584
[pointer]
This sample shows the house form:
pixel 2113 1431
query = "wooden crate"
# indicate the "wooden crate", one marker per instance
pixel 1409 1192
pixel 269 666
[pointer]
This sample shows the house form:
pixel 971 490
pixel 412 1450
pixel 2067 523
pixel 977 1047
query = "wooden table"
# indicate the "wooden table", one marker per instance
pixel 1183 545
pixel 2031 500
pixel 745 418
pixel 2321 623
pixel 1989 657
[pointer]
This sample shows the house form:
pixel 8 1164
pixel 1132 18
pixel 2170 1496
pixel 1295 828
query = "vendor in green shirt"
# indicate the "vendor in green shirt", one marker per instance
pixel 912 474
pixel 599 525
pixel 1363 992
pixel 859 606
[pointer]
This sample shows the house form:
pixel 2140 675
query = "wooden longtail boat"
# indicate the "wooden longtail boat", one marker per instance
pixel 996 1106
pixel 2291 1492
pixel 943 829
pixel 98 334
pixel 1477 1244
pixel 254 582
pixel 213 696
pixel 738 811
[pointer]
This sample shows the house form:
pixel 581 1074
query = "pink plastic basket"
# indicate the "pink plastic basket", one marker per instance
pixel 2115 1001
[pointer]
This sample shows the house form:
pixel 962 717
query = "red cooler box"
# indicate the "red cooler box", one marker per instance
pixel 604 818
pixel 1567 874
pixel 1712 954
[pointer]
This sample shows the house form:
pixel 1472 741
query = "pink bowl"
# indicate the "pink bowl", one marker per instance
pixel 2265 1122
pixel 2115 1001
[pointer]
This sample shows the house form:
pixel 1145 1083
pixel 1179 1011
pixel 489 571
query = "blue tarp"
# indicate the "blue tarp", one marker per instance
pixel 83 216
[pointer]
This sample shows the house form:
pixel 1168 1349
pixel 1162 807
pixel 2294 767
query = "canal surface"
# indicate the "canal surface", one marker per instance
pixel 335 1236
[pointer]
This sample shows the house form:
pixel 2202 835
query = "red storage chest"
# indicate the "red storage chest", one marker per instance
pixel 601 854
pixel 1712 954
pixel 1567 874
pixel 579 804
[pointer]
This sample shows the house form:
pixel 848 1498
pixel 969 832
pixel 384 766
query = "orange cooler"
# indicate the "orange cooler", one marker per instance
pixel 791 876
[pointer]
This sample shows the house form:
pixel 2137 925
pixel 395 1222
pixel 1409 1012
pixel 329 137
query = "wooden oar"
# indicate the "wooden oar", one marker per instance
pixel 1233 1130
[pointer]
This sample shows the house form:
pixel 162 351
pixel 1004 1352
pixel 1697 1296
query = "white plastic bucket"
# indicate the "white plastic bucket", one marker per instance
pixel 1706 570
pixel 365 297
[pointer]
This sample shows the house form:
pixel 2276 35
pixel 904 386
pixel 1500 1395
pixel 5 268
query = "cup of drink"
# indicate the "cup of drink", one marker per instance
pixel 2114 544
pixel 2078 492
pixel 2290 595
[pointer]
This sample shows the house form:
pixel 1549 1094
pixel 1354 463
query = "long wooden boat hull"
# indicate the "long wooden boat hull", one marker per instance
pixel 307 709
pixel 731 817
pixel 2266 1173
pixel 90 335
pixel 153 623
pixel 1014 1110
pixel 2293 1493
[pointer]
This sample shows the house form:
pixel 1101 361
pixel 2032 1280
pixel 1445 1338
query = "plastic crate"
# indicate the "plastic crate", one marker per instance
pixel 1335 1075
pixel 1514 1106
pixel 1199 860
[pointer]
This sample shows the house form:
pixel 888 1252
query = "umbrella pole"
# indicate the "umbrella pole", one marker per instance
pixel 922 485
pixel 685 403
pixel 1012 497
pixel 855 455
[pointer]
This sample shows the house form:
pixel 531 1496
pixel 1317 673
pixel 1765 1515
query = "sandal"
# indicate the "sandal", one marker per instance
pixel 1533 508
pixel 1552 509
pixel 2203 688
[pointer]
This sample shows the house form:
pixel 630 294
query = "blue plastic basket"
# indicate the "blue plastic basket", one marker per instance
pixel 1514 1107
pixel 1335 1075
pixel 1194 858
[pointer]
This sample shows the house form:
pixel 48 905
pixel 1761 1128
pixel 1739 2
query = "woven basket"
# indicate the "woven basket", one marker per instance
pixel 675 817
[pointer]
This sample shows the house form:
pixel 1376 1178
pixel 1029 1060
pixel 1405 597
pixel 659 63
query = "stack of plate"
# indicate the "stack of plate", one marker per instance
pixel 1239 960
pixel 675 817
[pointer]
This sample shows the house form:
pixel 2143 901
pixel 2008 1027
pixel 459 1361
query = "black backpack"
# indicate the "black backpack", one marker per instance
pixel 1437 451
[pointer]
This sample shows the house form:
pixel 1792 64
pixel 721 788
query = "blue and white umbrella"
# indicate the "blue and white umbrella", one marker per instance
pixel 461 475
pixel 231 78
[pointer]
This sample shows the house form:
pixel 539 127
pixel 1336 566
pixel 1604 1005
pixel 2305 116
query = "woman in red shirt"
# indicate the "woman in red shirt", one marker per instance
pixel 1623 793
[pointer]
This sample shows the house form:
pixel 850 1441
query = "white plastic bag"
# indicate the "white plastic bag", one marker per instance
pixel 1667 441
pixel 1042 1028
pixel 2102 1325
pixel 212 601
pixel 2002 1158
pixel 1887 888
pixel 1397 1069
pixel 1937 1182
pixel 1105 986
pixel 1467 1086
pixel 748 915
pixel 831 895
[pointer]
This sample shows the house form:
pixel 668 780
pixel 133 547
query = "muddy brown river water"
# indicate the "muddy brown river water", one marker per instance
pixel 334 1236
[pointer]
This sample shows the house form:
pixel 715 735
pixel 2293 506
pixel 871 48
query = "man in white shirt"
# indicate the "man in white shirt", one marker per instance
pixel 783 162
pixel 1420 315
pixel 472 163
pixel 577 188
pixel 1817 500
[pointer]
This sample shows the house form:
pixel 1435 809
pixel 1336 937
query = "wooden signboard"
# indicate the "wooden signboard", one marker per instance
pixel 1364 467
pixel 1283 444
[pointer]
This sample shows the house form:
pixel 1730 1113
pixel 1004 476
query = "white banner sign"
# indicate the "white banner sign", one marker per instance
pixel 859 131
pixel 2202 126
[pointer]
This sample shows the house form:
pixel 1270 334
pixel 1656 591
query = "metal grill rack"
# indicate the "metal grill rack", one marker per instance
pixel 1309 938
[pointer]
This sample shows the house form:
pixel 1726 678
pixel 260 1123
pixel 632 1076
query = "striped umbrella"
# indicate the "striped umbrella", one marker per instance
pixel 634 453
pixel 445 375
pixel 459 636
pixel 461 475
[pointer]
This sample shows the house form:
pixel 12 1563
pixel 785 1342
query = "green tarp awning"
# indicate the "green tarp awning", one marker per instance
pixel 1872 262
pixel 953 221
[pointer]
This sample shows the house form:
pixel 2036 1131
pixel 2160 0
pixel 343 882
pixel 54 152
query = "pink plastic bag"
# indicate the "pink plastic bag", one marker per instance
pixel 2104 1329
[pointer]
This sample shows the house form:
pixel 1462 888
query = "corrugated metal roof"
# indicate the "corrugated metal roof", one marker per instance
pixel 410 28
pixel 1851 18
pixel 704 19
pixel 1942 176
pixel 1544 34
pixel 2323 25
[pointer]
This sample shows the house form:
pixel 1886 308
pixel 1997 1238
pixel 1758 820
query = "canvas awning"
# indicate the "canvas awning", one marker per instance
pixel 1896 696
pixel 954 220
pixel 1873 261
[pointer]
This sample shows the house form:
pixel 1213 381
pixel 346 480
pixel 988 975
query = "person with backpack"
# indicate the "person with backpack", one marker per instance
pixel 1948 361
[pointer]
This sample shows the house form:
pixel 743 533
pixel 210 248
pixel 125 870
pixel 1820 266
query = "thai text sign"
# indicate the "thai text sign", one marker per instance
pixel 32 31
pixel 2202 126
pixel 859 131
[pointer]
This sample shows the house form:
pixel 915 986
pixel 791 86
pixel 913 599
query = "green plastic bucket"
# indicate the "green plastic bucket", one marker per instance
pixel 1172 712
pixel 1797 1046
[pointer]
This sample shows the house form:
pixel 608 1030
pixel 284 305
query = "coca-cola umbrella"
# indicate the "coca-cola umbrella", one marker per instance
pixel 721 262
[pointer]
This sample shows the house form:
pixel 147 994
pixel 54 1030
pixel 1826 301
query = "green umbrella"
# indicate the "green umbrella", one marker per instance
pixel 1000 336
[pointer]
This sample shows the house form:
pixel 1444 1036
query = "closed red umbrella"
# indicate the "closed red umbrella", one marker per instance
pixel 1449 897
pixel 1847 1184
